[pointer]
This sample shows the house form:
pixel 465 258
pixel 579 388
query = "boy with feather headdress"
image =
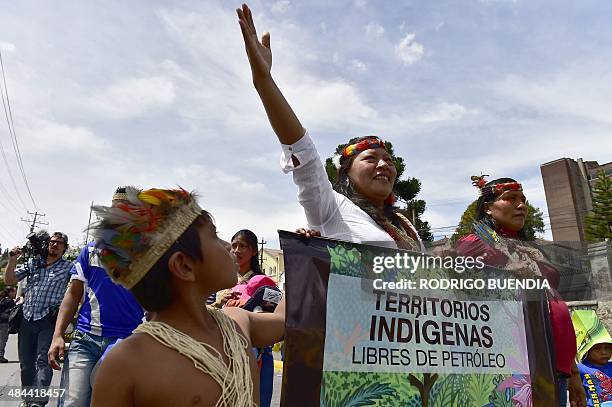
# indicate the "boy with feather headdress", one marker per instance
pixel 164 248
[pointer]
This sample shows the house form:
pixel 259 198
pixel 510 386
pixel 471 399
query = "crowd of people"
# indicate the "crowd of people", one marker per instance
pixel 142 335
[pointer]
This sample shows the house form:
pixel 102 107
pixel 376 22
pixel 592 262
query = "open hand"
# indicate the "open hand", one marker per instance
pixel 56 352
pixel 15 252
pixel 259 53
pixel 230 295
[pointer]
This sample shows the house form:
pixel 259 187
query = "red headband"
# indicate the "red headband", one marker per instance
pixel 365 144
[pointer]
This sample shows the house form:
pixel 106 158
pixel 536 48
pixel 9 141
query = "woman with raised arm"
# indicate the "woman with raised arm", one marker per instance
pixel 359 207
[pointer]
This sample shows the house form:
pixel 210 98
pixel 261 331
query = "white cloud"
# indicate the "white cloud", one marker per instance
pixel 44 137
pixel 215 185
pixel 323 26
pixel 7 46
pixel 328 104
pixel 134 96
pixel 408 50
pixel 265 223
pixel 581 92
pixel 280 6
pixel 358 65
pixel 374 30
pixel 487 2
pixel 439 119
pixel 445 112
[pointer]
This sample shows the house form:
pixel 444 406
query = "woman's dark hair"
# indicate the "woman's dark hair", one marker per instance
pixel 251 239
pixel 344 186
pixel 482 216
pixel 154 292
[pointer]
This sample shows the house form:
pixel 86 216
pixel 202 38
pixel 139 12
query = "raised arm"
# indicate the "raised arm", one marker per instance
pixel 263 328
pixel 10 278
pixel 285 123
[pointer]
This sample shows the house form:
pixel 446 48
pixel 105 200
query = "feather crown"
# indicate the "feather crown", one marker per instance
pixel 479 181
pixel 135 233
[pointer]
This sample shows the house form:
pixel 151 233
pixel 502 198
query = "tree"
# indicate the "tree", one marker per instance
pixel 598 222
pixel 4 259
pixel 405 191
pixel 534 223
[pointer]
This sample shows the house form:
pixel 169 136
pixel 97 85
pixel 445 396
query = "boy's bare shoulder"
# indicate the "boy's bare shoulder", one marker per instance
pixel 132 356
pixel 135 346
pixel 124 360
pixel 129 355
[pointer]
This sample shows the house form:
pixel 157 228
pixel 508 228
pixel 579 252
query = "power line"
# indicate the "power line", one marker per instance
pixel 5 194
pixel 11 126
pixel 8 234
pixel 8 169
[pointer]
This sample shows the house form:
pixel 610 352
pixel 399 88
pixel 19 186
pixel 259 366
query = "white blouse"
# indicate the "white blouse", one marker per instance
pixel 331 213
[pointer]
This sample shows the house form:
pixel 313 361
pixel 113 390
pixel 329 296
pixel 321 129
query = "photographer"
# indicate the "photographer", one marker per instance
pixel 47 275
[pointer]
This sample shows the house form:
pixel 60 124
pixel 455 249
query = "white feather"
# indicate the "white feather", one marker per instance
pixel 336 161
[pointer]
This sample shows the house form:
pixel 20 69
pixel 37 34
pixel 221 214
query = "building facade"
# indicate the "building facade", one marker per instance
pixel 568 185
pixel 272 264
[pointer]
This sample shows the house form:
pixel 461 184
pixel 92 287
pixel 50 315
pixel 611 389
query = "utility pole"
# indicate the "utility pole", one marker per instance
pixel 262 243
pixel 88 224
pixel 34 221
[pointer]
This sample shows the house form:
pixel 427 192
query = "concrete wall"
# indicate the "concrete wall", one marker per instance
pixel 600 257
pixel 565 198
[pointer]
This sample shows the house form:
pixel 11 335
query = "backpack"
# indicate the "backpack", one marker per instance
pixel 15 318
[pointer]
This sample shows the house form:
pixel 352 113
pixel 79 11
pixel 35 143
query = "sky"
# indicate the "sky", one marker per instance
pixel 159 94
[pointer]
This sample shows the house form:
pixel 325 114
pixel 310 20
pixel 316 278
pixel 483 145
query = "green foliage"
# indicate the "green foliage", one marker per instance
pixel 479 388
pixel 405 191
pixel 504 398
pixel 465 223
pixel 352 389
pixel 4 259
pixel 598 223
pixel 345 261
pixel 341 389
pixel 72 253
pixel 534 223
pixel 366 396
pixel 450 391
pixel 413 211
pixel 3 262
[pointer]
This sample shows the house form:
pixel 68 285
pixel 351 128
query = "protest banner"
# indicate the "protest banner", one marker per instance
pixel 358 337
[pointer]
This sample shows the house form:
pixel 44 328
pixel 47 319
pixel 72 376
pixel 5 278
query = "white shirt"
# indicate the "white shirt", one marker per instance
pixel 331 213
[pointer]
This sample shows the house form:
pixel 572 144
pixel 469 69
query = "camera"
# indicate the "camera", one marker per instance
pixel 37 245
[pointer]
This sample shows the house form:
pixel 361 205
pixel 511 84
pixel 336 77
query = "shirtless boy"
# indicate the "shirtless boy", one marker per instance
pixel 165 249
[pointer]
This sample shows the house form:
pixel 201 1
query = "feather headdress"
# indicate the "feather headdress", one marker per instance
pixel 134 234
pixel 479 181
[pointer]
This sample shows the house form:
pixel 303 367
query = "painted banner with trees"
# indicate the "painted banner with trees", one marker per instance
pixel 350 342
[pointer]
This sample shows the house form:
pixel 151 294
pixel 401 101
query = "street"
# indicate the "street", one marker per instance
pixel 9 376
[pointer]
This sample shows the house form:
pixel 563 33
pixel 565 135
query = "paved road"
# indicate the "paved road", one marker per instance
pixel 9 376
pixel 9 373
